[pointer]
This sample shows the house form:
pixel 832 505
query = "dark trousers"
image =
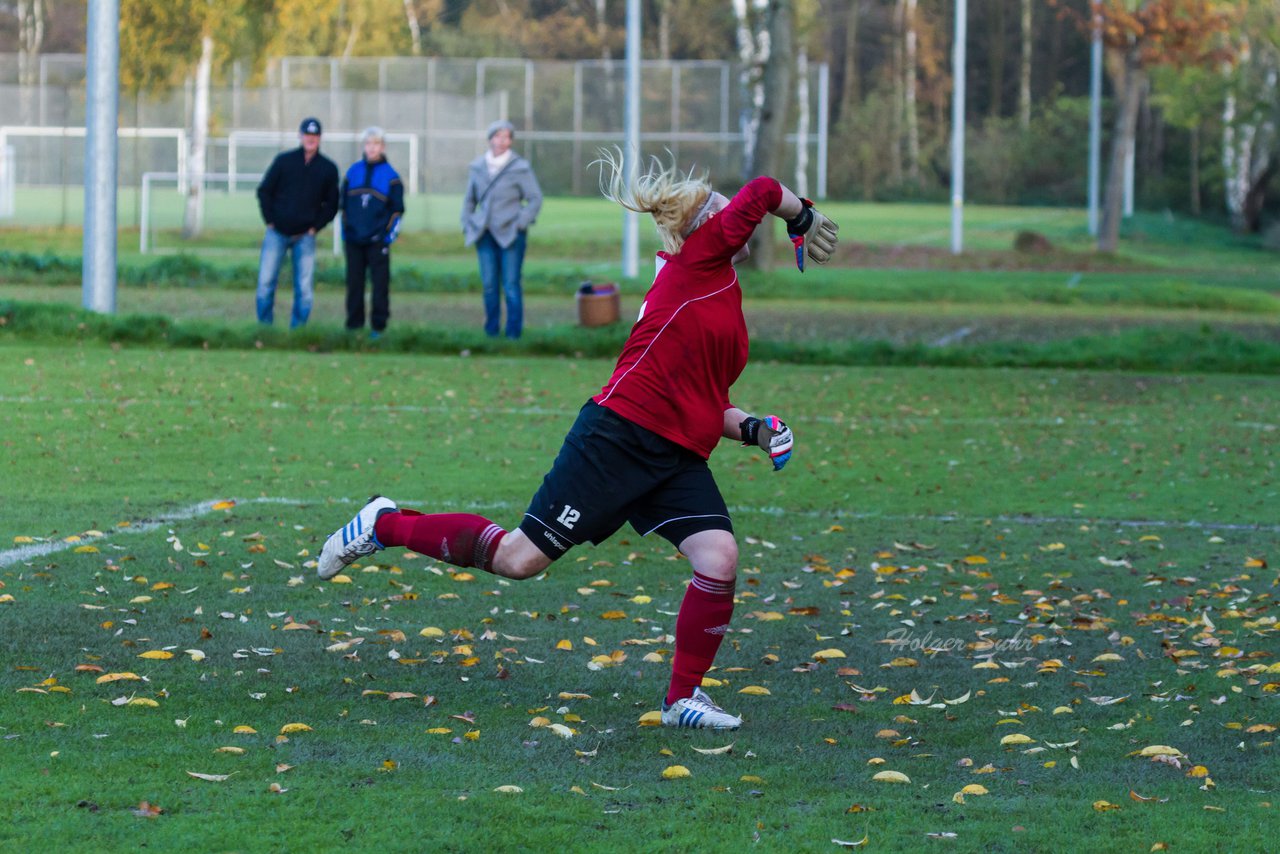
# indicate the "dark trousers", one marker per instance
pixel 376 260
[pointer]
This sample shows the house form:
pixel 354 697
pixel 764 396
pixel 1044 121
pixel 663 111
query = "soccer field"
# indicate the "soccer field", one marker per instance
pixel 1017 580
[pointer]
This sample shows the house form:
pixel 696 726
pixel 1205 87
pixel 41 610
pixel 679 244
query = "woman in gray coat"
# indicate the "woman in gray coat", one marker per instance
pixel 501 202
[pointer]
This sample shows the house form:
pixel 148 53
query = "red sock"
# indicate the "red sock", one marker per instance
pixel 700 626
pixel 462 539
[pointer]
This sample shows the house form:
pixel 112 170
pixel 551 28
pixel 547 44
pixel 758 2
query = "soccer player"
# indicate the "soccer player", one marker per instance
pixel 638 450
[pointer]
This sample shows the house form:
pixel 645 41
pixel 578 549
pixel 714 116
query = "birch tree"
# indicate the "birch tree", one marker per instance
pixel 31 15
pixel 1251 119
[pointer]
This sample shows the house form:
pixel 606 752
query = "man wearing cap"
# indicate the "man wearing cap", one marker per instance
pixel 298 197
pixel 501 202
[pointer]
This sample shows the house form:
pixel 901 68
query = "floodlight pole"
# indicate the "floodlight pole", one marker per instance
pixel 631 145
pixel 957 129
pixel 101 153
pixel 1095 122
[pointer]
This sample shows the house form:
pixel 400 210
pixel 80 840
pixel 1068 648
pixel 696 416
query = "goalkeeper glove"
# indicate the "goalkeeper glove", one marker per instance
pixel 772 435
pixel 811 234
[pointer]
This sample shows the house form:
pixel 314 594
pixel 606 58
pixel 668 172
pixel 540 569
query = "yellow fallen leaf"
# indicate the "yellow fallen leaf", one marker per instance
pixel 539 721
pixel 675 772
pixel 891 777
pixel 295 727
pixel 432 632
pixel 650 719
pixel 340 579
pixel 1158 750
pixel 7 597
pixel 21 540
pixel 975 560
pixel 509 790
pixel 711 682
pixel 756 691
pixel 653 658
pixel 223 505
pixel 641 599
pixel 614 615
pixel 196 655
pixel 565 644
pixel 1198 771
pixel 1017 738
pixel 233 750
pixel 975 789
pixel 439 730
pixel 561 730
pixel 245 730
pixel 824 654
pixel 86 550
pixel 472 735
pixel 1104 806
pixel 156 654
pixel 144 701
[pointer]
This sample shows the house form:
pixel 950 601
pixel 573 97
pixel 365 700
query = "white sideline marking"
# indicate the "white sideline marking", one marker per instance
pixel 34 550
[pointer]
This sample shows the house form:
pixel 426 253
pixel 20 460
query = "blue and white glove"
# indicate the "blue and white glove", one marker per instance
pixel 394 231
pixel 772 435
pixel 812 234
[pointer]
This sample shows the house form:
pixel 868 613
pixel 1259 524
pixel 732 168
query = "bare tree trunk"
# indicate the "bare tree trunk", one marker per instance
pixel 664 30
pixel 415 28
pixel 753 53
pixel 602 36
pixel 996 57
pixel 852 80
pixel 1128 79
pixel 30 40
pixel 1024 76
pixel 1195 170
pixel 898 112
pixel 909 96
pixel 771 132
pixel 801 185
pixel 193 218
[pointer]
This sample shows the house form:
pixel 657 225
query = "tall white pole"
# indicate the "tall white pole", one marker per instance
pixel 101 153
pixel 1095 124
pixel 957 129
pixel 631 145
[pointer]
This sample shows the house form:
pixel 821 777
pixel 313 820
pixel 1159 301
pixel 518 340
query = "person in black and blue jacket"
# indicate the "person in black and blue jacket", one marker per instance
pixel 372 210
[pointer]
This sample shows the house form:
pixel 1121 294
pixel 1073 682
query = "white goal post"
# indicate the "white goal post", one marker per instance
pixel 145 243
pixel 8 188
pixel 274 139
pixel 178 135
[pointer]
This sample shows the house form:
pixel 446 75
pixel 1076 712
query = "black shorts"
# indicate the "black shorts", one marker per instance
pixel 610 471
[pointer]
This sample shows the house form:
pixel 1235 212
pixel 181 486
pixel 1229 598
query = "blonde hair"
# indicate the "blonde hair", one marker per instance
pixel 674 198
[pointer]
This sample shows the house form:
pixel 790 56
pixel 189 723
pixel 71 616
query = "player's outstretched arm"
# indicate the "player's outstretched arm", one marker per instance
pixel 812 233
pixel 771 434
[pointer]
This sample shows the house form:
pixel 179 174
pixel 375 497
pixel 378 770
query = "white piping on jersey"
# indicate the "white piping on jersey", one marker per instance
pixel 682 518
pixel 555 531
pixel 664 329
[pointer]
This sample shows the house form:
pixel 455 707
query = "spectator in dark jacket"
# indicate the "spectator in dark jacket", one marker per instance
pixel 298 197
pixel 372 209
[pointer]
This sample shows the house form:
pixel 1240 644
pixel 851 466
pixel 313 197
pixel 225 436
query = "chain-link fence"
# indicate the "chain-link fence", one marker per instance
pixel 563 112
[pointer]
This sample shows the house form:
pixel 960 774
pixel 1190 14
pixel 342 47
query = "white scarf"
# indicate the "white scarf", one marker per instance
pixel 495 164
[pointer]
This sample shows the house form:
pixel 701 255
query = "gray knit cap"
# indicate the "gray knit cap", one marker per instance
pixel 500 124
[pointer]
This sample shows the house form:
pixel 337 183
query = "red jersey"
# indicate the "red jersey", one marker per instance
pixel 689 344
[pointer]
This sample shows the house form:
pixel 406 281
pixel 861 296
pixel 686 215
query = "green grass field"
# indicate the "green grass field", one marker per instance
pixel 1017 579
pixel 1081 560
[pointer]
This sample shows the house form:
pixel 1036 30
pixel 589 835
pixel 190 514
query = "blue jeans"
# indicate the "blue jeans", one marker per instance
pixel 501 267
pixel 274 246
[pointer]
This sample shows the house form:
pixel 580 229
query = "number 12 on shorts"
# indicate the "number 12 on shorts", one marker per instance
pixel 568 517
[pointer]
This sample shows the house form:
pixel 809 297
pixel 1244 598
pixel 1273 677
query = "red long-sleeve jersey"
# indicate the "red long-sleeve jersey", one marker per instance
pixel 689 344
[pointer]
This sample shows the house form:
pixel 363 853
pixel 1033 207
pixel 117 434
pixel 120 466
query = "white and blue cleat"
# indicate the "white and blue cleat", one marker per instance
pixel 698 712
pixel 353 540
